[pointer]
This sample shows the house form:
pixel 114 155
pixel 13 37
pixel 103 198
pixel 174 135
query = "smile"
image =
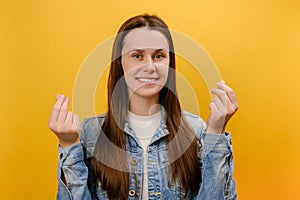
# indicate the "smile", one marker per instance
pixel 147 80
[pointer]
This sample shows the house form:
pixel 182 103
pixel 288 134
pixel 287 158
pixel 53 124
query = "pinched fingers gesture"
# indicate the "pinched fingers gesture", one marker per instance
pixel 64 123
pixel 222 107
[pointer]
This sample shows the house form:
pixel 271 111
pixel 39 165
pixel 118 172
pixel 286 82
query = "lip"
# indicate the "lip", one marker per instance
pixel 147 80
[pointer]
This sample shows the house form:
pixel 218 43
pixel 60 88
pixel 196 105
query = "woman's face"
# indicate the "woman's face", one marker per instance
pixel 145 61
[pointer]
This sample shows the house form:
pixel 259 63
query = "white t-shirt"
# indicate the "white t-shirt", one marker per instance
pixel 144 128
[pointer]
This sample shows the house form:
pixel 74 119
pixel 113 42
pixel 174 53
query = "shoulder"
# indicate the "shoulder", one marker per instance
pixel 196 123
pixel 92 124
pixel 192 119
pixel 90 129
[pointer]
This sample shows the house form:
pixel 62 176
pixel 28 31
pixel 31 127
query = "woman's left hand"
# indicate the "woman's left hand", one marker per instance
pixel 222 108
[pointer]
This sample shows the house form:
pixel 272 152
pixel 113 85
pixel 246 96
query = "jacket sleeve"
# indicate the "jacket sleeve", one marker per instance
pixel 217 168
pixel 72 174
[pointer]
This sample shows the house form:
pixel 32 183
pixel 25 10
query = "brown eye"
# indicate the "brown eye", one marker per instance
pixel 137 56
pixel 158 56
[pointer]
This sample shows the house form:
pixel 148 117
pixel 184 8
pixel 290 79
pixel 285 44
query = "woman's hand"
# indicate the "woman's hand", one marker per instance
pixel 63 123
pixel 222 108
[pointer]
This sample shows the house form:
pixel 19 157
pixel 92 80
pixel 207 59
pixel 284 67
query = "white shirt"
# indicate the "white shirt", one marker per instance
pixel 144 128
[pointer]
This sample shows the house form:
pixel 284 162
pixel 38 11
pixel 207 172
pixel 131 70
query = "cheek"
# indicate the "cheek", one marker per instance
pixel 128 70
pixel 164 69
pixel 128 66
pixel 125 65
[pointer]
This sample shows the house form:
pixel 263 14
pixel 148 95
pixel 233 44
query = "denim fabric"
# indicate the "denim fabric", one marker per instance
pixel 216 161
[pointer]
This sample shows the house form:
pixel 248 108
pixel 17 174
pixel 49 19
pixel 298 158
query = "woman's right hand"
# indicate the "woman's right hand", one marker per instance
pixel 64 123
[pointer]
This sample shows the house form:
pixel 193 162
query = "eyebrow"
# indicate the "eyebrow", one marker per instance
pixel 142 50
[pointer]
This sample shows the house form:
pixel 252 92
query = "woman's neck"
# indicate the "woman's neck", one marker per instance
pixel 144 106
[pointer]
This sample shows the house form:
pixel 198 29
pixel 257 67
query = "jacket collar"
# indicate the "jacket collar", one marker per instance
pixel 161 132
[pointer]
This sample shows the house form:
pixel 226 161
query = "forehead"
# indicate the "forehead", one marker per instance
pixel 142 38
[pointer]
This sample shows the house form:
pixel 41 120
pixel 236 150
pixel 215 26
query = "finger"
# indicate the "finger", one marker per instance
pixel 227 104
pixel 56 108
pixel 57 96
pixel 218 103
pixel 229 91
pixel 221 85
pixel 63 110
pixel 221 94
pixel 231 95
pixel 69 118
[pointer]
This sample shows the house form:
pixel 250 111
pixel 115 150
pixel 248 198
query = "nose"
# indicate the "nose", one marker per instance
pixel 149 65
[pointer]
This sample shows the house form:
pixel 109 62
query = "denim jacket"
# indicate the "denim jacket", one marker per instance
pixel 216 161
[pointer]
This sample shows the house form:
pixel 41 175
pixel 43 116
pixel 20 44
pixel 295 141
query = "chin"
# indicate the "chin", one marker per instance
pixel 148 93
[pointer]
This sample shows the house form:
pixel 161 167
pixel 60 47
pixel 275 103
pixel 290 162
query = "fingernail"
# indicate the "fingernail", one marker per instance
pixel 59 96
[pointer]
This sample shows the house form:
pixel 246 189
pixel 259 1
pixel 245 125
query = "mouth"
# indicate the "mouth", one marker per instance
pixel 147 80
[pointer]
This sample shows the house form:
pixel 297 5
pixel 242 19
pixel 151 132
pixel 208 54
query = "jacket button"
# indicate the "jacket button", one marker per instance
pixel 133 161
pixel 131 193
pixel 61 155
pixel 226 192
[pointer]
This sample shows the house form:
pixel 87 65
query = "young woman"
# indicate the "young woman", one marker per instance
pixel 145 146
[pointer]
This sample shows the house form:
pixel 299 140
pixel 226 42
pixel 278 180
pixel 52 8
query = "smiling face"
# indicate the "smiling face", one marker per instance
pixel 145 62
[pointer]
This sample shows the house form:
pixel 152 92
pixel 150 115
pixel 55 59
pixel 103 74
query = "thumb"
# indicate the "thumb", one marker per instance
pixel 213 108
pixel 77 123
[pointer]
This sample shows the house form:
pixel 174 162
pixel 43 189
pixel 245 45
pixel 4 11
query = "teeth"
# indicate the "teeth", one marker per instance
pixel 147 80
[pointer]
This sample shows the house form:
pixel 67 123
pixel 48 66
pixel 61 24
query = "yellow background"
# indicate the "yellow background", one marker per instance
pixel 255 45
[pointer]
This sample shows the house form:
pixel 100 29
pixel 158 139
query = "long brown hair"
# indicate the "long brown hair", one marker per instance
pixel 114 178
